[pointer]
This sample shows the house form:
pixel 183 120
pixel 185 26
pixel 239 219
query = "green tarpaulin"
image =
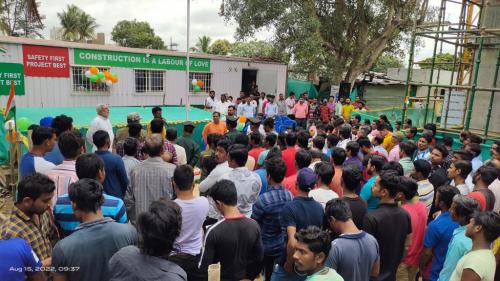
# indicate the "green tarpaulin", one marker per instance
pixel 299 87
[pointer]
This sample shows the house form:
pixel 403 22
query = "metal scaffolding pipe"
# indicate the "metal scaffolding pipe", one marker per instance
pixel 474 85
pixel 454 86
pixel 492 95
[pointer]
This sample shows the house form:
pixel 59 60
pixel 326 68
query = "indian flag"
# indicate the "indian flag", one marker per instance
pixel 10 109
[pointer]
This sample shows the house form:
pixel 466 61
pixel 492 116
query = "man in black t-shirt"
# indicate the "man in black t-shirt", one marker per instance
pixel 351 177
pixel 389 224
pixel 234 241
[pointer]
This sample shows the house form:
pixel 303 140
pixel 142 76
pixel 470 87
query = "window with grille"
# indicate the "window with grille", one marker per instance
pixel 203 76
pixel 83 84
pixel 147 81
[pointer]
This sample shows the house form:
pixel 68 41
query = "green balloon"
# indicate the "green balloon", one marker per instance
pixel 100 75
pixel 196 88
pixel 94 78
pixel 23 123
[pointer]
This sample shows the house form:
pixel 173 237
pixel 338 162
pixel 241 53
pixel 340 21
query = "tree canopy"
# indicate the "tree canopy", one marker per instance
pixel 21 18
pixel 337 40
pixel 220 47
pixel 202 45
pixel 76 24
pixel 257 49
pixel 445 58
pixel 136 34
pixel 386 61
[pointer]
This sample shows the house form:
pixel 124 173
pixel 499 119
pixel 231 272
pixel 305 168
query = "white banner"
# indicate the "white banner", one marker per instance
pixel 454 109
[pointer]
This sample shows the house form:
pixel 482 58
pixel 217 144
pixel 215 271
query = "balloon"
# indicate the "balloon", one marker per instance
pixel 243 119
pixel 114 79
pixel 240 126
pixel 23 123
pixel 200 83
pixel 87 73
pixel 109 83
pixel 196 88
pixel 11 136
pixel 100 75
pixel 11 124
pixel 194 82
pixel 107 75
pixel 94 78
pixel 94 70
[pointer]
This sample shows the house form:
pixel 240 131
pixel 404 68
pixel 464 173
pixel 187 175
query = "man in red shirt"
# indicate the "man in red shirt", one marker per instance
pixel 255 143
pixel 302 160
pixel 324 112
pixel 288 154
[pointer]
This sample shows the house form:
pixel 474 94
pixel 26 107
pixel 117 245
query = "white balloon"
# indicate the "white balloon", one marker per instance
pixel 109 83
pixel 10 124
pixel 194 82
pixel 87 73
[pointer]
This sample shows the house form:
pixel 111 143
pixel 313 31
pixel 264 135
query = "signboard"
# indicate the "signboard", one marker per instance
pixel 11 72
pixel 42 61
pixel 137 60
pixel 455 110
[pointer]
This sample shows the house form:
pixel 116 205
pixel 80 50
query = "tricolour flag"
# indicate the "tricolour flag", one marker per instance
pixel 10 109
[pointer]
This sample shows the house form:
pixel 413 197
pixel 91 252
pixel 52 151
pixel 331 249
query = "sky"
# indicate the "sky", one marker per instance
pixel 168 19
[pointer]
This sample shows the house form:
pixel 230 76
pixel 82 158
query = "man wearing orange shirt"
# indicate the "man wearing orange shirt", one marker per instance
pixel 214 127
pixel 300 110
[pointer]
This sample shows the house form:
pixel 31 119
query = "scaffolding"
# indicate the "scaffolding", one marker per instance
pixel 468 38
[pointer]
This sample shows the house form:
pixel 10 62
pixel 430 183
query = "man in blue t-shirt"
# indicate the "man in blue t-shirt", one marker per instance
pixel 374 166
pixel 302 212
pixel 88 166
pixel 44 139
pixel 439 232
pixel 18 261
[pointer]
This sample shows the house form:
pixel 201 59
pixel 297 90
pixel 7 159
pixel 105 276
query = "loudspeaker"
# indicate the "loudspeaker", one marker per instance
pixel 344 90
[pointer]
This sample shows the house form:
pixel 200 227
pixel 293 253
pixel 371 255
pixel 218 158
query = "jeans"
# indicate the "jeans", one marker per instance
pixel 279 274
pixel 269 262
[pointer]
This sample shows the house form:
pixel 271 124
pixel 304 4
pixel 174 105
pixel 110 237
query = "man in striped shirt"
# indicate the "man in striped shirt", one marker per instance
pixel 64 174
pixel 421 170
pixel 88 166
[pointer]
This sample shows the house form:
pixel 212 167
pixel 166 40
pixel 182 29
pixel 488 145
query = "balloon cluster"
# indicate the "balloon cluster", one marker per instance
pixel 97 76
pixel 197 84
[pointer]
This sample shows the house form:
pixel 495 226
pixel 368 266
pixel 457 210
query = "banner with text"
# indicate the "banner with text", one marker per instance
pixel 137 60
pixel 42 61
pixel 11 72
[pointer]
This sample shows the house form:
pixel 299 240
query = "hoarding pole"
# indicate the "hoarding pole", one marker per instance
pixel 187 60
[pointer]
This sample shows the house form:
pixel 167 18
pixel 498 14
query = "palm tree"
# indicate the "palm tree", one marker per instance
pixel 76 24
pixel 69 21
pixel 86 27
pixel 202 45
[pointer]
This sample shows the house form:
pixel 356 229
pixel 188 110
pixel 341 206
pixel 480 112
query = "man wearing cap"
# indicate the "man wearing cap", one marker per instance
pixel 214 127
pixel 231 123
pixel 246 108
pixel 122 133
pixel 302 212
pixel 192 148
pixel 397 138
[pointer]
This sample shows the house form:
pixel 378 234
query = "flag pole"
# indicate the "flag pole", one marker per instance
pixel 187 59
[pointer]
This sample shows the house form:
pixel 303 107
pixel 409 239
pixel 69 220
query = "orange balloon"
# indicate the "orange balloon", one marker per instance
pixel 200 83
pixel 243 119
pixel 114 80
pixel 11 136
pixel 107 75
pixel 94 70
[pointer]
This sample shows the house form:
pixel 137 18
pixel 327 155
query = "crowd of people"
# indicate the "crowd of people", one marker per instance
pixel 331 197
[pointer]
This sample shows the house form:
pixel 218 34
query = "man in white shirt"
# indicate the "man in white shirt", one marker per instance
pixel 100 122
pixel 290 103
pixel 222 105
pixel 261 103
pixel 210 101
pixel 248 183
pixel 246 108
pixel 271 109
pixel 221 168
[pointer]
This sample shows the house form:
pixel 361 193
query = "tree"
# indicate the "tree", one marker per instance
pixel 202 45
pixel 76 24
pixel 136 34
pixel 445 58
pixel 257 49
pixel 20 18
pixel 327 37
pixel 386 61
pixel 220 47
